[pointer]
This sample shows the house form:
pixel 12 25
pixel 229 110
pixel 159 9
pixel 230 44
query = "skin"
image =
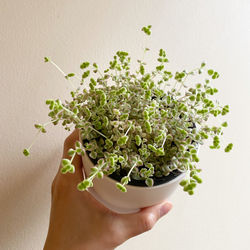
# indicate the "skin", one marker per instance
pixel 79 222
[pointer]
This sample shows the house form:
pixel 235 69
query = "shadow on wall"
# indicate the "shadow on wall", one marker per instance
pixel 24 203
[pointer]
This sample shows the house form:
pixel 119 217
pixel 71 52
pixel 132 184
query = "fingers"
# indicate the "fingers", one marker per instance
pixel 145 219
pixel 76 177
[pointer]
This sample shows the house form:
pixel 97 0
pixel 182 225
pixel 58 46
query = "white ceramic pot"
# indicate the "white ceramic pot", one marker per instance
pixel 106 192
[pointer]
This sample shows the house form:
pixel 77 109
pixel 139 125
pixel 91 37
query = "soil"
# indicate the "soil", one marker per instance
pixel 141 183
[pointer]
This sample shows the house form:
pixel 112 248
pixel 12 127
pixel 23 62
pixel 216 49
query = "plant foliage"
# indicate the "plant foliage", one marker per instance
pixel 148 123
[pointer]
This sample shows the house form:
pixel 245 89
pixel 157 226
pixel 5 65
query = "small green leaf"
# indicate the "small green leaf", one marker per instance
pixel 138 140
pixel 125 180
pixel 84 65
pixel 210 72
pixel 169 137
pixel 93 154
pixel 224 124
pixel 94 170
pixel 192 98
pixel 65 162
pixel 121 187
pixel 203 64
pixel 77 144
pixel 198 179
pixel 72 169
pixel 148 127
pixel 100 162
pixel 71 152
pixel 38 126
pixel 149 182
pixel 112 161
pixel 26 152
pixel 122 140
pixel 183 183
pixel 147 30
pixel 43 130
pixel 84 185
pixel 100 175
pixel 152 148
pixel 146 115
pixel 229 147
pixel 75 110
pixel 121 159
pixel 193 151
pixel 142 69
pixel 160 152
pixel 69 75
pixel 124 117
pixel 85 74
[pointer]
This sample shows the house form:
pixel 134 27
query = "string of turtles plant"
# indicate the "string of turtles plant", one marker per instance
pixel 148 123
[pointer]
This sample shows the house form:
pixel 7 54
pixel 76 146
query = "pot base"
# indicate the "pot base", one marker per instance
pixel 111 207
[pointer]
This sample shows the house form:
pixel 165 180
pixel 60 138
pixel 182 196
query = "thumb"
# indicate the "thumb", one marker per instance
pixel 145 219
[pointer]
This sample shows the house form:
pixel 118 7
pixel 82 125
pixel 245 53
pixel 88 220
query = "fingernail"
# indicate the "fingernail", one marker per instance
pixel 165 209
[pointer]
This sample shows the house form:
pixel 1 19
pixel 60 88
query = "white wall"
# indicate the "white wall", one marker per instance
pixel 217 217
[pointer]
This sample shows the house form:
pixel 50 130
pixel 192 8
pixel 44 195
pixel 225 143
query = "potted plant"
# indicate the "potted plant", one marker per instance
pixel 139 132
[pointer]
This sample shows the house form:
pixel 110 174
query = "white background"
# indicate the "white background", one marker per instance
pixel 217 216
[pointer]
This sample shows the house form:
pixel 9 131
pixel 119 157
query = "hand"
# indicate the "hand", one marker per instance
pixel 79 222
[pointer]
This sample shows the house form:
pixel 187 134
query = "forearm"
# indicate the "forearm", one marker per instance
pixel 55 243
pixel 49 246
